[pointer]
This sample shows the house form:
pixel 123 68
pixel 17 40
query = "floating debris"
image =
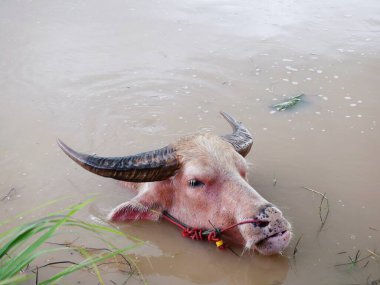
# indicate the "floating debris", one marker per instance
pixel 356 260
pixel 9 195
pixel 274 179
pixel 322 217
pixel 291 102
pixel 291 68
pixel 373 253
pixel 296 246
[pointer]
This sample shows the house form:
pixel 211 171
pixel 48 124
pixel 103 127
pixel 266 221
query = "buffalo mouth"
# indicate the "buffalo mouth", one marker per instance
pixel 274 243
pixel 279 234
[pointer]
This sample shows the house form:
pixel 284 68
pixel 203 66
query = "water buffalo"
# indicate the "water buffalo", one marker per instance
pixel 200 179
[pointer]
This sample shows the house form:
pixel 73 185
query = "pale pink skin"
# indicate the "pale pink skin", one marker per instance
pixel 226 197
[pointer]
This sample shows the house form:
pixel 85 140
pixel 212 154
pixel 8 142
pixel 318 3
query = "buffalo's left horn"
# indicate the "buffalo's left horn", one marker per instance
pixel 149 166
pixel 240 139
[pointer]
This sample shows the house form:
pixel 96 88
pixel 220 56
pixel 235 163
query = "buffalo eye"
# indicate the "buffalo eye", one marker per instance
pixel 194 183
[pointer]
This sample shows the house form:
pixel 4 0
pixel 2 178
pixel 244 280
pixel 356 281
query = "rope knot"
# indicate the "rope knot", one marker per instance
pixel 203 234
pixel 193 233
pixel 213 236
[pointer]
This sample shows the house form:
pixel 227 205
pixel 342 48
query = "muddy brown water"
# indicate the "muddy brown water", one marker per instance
pixel 122 77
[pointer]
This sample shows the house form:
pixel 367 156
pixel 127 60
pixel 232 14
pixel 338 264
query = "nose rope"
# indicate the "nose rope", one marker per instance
pixel 213 235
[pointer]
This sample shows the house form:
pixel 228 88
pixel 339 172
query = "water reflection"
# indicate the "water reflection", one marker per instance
pixel 200 262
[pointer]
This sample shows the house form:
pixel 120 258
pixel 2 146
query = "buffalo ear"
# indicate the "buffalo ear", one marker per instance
pixel 131 211
pixel 142 207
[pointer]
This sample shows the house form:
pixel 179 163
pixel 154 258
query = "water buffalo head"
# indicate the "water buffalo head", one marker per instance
pixel 198 179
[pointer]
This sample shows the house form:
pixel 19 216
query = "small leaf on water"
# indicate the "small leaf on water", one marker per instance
pixel 291 102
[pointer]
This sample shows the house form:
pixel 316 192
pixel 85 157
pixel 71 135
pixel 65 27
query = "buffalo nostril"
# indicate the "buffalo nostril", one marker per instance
pixel 264 208
pixel 262 224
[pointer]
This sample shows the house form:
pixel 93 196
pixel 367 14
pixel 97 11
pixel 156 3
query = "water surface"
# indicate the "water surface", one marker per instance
pixel 129 76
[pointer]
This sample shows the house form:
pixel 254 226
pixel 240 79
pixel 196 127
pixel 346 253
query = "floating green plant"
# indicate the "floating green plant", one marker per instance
pixel 289 103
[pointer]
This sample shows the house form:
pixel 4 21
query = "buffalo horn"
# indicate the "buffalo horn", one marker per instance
pixel 149 166
pixel 240 139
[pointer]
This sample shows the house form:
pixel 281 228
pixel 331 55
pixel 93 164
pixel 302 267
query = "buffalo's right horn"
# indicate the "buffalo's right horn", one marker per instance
pixel 241 139
pixel 149 166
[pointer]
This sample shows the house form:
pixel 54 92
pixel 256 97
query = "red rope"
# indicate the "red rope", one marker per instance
pixel 242 223
pixel 205 234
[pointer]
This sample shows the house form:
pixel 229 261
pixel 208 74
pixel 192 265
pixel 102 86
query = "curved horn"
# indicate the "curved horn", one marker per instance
pixel 149 166
pixel 240 139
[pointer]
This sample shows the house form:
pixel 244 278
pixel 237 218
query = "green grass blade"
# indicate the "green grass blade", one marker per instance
pixel 84 264
pixel 12 268
pixel 85 253
pixel 24 257
pixel 100 228
pixel 34 209
pixel 20 246
pixel 16 279
pixel 22 234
